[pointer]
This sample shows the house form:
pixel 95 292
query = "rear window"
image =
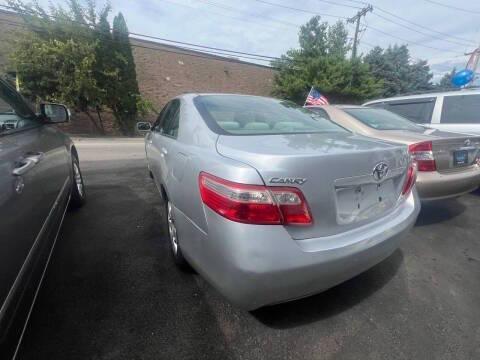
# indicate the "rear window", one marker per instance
pixel 251 115
pixel 417 110
pixel 461 109
pixel 381 119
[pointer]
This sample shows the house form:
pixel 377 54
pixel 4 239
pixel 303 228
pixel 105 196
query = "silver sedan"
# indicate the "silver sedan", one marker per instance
pixel 270 203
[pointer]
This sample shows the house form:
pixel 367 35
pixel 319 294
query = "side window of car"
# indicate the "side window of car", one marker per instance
pixel 157 125
pixel 417 110
pixel 320 112
pixel 11 116
pixel 460 109
pixel 172 117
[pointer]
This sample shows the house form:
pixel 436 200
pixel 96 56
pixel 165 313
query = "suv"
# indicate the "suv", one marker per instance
pixel 457 111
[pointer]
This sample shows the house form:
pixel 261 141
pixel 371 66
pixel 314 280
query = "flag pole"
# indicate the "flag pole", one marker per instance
pixel 307 96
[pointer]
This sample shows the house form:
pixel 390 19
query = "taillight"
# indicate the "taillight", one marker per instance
pixel 423 155
pixel 254 204
pixel 410 179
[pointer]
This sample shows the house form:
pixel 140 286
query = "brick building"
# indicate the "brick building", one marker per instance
pixel 164 71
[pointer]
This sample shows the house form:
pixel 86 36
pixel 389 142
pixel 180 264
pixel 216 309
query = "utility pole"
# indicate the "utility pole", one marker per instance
pixel 354 19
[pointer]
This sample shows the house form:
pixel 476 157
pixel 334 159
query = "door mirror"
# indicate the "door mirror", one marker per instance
pixel 143 126
pixel 55 113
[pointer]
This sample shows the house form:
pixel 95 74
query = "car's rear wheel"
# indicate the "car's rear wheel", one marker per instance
pixel 173 236
pixel 78 195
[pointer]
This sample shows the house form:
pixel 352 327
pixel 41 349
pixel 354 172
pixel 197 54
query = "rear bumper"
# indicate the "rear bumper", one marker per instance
pixel 436 186
pixel 254 266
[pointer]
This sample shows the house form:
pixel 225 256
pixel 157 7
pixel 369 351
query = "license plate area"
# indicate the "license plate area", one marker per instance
pixel 362 202
pixel 460 158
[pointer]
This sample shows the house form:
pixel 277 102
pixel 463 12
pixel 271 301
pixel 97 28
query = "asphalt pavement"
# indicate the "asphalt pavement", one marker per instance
pixel 112 290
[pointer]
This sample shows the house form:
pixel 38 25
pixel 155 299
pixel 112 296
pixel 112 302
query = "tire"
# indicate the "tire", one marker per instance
pixel 78 195
pixel 173 237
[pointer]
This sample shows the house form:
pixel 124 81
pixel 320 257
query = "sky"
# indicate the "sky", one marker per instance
pixel 447 29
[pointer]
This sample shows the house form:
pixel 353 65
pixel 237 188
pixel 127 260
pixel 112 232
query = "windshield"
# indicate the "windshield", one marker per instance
pixel 251 115
pixel 381 119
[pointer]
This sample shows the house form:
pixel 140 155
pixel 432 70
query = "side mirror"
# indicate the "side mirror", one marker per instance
pixel 143 126
pixel 54 113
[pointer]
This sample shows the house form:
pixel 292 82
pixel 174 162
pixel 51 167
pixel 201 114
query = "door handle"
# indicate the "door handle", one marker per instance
pixel 27 163
pixel 164 151
pixel 35 156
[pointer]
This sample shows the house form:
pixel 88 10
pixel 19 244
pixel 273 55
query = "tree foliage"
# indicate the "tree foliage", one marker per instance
pixel 399 74
pixel 321 62
pixel 445 82
pixel 69 54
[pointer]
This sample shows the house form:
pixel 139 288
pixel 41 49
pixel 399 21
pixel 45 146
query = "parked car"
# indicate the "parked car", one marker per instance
pixel 269 203
pixel 39 176
pixel 448 163
pixel 457 111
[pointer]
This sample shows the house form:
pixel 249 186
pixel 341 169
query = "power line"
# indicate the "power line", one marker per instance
pixel 420 26
pixel 174 41
pixel 180 52
pixel 408 41
pixel 222 14
pixel 411 22
pixel 420 32
pixel 299 9
pixel 453 7
pixel 416 43
pixel 338 4
pixel 235 10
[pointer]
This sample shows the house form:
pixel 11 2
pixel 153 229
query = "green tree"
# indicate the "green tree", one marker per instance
pixel 70 55
pixel 399 74
pixel 321 62
pixel 125 94
pixel 55 59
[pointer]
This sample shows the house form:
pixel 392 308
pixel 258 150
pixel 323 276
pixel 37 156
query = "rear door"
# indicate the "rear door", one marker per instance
pixel 154 144
pixel 460 113
pixel 165 131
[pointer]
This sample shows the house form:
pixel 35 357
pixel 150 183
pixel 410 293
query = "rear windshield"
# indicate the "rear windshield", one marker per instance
pixel 251 115
pixel 381 119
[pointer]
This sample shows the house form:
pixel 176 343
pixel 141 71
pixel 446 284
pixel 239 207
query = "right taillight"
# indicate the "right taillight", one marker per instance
pixel 423 155
pixel 254 204
pixel 410 179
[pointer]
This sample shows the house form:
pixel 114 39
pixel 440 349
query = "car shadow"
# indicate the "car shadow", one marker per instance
pixel 333 301
pixel 439 211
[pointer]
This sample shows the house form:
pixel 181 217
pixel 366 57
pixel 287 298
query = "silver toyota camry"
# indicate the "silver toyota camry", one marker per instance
pixel 270 202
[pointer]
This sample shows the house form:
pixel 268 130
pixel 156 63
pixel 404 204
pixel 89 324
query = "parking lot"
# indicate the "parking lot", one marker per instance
pixel 112 290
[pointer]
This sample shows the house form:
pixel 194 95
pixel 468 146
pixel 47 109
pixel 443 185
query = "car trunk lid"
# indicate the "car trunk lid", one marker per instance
pixel 451 151
pixel 334 171
pixel 455 153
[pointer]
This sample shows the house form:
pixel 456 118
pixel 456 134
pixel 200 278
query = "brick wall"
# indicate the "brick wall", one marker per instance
pixel 163 73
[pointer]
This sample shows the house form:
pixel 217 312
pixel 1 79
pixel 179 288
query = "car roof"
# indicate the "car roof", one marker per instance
pixel 472 91
pixel 224 94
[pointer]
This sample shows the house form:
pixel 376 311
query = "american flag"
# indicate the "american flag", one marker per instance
pixel 315 98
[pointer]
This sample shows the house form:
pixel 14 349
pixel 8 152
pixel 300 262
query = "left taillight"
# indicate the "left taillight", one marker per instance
pixel 254 204
pixel 409 179
pixel 422 153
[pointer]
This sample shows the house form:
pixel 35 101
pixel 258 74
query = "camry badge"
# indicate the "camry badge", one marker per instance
pixel 288 180
pixel 380 171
